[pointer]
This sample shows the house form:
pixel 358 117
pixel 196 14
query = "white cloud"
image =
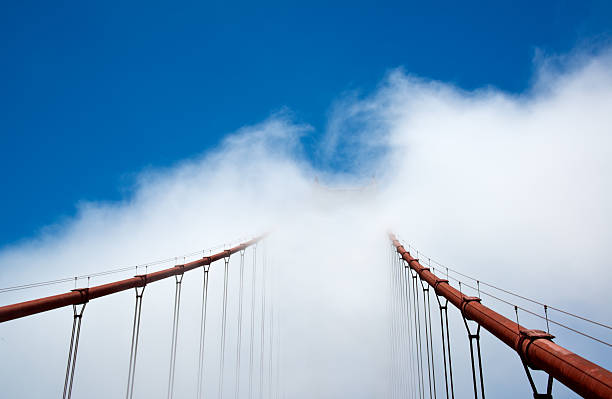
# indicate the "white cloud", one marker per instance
pixel 513 189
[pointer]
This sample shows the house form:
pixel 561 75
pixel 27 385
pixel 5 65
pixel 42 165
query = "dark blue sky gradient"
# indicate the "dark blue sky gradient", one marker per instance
pixel 93 92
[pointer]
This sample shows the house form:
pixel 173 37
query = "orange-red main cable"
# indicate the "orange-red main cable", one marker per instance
pixel 82 295
pixel 534 346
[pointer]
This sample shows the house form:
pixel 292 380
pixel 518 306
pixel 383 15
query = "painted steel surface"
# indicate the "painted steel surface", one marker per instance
pixel 83 295
pixel 534 346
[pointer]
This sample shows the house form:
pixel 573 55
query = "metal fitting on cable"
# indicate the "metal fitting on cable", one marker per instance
pixel 438 282
pixel 143 279
pixel 530 336
pixel 464 302
pixel 84 292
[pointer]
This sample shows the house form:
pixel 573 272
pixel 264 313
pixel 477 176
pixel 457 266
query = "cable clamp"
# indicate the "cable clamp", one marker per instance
pixel 464 302
pixel 181 267
pixel 438 282
pixel 531 336
pixel 228 253
pixel 143 279
pixel 84 292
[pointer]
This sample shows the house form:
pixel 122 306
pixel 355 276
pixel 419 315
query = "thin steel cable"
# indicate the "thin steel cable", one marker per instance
pixel 134 348
pixel 480 368
pixel 409 370
pixel 110 271
pixel 414 327
pixel 443 351
pixel 396 340
pixel 175 324
pixel 475 337
pixel 450 362
pixel 223 325
pixel 418 335
pixel 202 331
pixel 406 351
pixel 523 297
pixel 253 286
pixel 278 357
pixel 425 289
pixel 394 392
pixel 271 350
pixel 536 315
pixel 74 347
pixel 263 324
pixel 400 332
pixel 271 329
pixel 446 351
pixel 238 344
pixel 396 328
pixel 433 367
pixel 409 326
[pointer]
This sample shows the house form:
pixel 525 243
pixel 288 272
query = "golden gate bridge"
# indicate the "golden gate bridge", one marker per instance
pixel 414 287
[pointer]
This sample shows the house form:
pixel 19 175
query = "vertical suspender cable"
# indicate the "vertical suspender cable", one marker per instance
pixel 398 301
pixel 392 334
pixel 402 329
pixel 223 323
pixel 394 328
pixel 428 311
pixel 238 345
pixel 278 357
pixel 263 325
pixel 175 325
pixel 252 321
pixel 417 322
pixel 450 361
pixel 271 354
pixel 409 324
pixel 202 331
pixel 391 316
pixel 397 296
pixel 426 338
pixel 74 345
pixel 135 334
pixel 446 352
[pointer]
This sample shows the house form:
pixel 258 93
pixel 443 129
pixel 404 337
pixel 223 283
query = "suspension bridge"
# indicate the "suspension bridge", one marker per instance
pixel 423 366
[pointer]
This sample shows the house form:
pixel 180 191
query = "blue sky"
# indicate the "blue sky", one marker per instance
pixel 93 93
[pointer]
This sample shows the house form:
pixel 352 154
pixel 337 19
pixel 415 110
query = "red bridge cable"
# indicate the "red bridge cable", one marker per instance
pixel 22 309
pixel 98 274
pixel 535 347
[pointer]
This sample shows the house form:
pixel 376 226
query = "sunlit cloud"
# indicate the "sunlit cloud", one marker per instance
pixel 513 189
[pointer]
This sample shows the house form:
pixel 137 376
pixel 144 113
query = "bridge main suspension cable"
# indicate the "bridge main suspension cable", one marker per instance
pixel 536 349
pixel 79 297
